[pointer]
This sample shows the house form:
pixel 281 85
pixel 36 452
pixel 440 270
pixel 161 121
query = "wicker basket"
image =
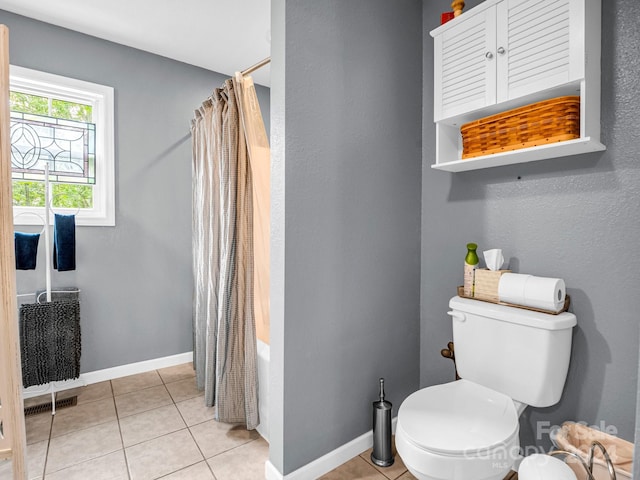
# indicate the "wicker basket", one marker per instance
pixel 550 121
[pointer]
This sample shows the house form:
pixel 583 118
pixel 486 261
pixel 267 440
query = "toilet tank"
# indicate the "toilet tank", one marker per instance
pixel 520 353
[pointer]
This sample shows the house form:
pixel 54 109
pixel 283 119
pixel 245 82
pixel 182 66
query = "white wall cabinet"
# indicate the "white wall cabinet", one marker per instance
pixel 503 54
pixel 464 75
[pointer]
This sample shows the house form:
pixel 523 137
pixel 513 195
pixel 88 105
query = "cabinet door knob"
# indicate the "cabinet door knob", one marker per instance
pixel 489 55
pixel 501 50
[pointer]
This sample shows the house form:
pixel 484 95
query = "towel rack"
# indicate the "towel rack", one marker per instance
pixel 47 247
pixel 51 387
pixel 34 214
pixel 45 229
pixel 588 465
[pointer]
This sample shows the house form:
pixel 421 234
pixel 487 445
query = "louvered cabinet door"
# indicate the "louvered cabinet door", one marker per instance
pixel 465 70
pixel 539 45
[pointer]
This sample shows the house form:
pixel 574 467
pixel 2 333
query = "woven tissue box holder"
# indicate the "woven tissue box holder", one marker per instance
pixel 486 284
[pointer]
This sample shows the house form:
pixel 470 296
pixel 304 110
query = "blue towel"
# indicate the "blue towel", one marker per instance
pixel 64 242
pixel 26 250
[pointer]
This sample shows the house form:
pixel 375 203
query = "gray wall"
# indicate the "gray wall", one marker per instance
pixel 135 277
pixel 576 218
pixel 347 100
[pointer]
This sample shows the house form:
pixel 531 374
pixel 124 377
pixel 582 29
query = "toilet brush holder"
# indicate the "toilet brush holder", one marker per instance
pixel 382 455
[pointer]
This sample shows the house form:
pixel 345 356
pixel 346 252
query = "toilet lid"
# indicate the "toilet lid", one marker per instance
pixel 458 417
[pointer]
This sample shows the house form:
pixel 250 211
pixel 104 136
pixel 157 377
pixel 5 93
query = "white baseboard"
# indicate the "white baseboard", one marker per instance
pixel 264 432
pixel 327 462
pixel 110 374
pixel 271 472
pixel 138 367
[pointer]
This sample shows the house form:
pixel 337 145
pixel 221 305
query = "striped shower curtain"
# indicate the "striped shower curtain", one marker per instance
pixel 223 310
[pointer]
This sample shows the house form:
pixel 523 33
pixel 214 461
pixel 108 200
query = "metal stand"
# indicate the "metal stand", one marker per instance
pixel 588 466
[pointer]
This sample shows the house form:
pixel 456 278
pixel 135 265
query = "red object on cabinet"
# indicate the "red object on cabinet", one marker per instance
pixel 445 17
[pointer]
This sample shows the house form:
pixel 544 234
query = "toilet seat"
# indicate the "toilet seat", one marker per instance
pixel 458 418
pixel 458 431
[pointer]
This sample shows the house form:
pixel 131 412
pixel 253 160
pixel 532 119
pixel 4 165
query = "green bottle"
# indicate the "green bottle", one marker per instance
pixel 471 262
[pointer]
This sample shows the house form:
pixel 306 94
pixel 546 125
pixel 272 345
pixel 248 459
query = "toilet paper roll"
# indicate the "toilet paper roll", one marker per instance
pixel 536 292
pixel 545 293
pixel 511 287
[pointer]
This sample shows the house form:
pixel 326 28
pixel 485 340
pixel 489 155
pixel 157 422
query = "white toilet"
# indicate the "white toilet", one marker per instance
pixel 508 358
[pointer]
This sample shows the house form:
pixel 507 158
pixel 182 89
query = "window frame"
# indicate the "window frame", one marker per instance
pixel 101 98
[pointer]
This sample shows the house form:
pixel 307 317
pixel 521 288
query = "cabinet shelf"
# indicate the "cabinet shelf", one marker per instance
pixel 542 152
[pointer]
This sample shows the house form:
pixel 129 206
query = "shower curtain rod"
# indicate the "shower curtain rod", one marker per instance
pixel 255 67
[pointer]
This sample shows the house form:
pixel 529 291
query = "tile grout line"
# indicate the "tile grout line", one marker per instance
pixel 196 424
pixel 194 439
pixel 81 429
pixel 204 459
pixel 374 468
pixel 124 452
pixel 46 456
pixel 152 438
pixel 77 463
pixel 200 450
pixel 189 428
pixel 173 403
pixel 367 458
pixel 138 390
pixel 86 427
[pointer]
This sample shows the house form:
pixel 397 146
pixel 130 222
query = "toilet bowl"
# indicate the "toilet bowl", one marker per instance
pixel 507 358
pixel 473 432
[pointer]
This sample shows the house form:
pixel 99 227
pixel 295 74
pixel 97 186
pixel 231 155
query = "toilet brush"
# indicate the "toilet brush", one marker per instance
pixel 382 454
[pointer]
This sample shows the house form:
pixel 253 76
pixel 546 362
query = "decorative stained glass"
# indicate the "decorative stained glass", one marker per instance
pixel 68 146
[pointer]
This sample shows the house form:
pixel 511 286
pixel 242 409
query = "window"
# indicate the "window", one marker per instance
pixel 67 124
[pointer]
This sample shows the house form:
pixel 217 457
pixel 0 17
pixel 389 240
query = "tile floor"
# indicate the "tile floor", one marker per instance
pixel 146 426
pixel 362 468
pixel 155 425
